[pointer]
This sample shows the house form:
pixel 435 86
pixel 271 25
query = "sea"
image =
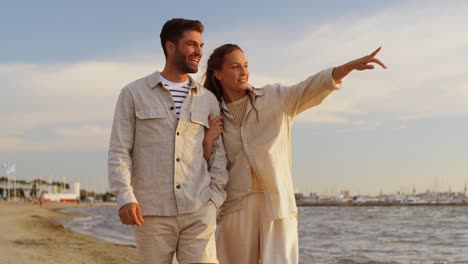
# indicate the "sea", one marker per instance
pixel 340 234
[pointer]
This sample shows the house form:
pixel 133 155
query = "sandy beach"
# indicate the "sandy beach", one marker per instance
pixel 31 234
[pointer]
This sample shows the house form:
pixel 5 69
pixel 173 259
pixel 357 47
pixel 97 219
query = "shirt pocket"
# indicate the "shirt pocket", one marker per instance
pixel 151 127
pixel 199 118
pixel 151 113
pixel 195 129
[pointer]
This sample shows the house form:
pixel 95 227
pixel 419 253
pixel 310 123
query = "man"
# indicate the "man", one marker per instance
pixel 157 170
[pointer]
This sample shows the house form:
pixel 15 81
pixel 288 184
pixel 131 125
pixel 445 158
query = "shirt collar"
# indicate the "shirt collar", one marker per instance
pixel 154 81
pixel 255 93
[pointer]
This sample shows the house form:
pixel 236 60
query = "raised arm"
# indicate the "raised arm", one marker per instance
pixel 360 64
pixel 312 91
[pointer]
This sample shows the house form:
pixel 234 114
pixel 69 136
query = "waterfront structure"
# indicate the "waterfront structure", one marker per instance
pixel 427 198
pixel 37 188
pixel 67 195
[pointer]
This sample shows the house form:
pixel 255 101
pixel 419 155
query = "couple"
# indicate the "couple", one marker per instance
pixel 169 168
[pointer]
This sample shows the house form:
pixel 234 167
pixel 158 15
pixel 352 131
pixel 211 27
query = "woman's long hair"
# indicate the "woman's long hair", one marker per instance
pixel 215 63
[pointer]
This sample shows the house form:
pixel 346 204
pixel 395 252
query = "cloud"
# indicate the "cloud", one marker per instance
pixel 424 48
pixel 65 139
pixel 73 102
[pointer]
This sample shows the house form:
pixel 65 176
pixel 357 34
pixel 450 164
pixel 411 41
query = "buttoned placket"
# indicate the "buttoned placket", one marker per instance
pixel 172 119
pixel 245 144
pixel 178 157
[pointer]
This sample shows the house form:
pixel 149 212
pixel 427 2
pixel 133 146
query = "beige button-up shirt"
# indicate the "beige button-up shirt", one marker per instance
pixel 265 145
pixel 156 160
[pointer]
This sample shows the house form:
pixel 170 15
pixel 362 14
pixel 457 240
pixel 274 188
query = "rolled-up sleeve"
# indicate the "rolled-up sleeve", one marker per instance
pixel 120 149
pixel 311 92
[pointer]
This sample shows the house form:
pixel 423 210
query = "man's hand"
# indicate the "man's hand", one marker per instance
pixel 359 64
pixel 130 214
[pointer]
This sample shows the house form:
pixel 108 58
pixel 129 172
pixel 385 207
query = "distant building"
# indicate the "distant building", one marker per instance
pixel 62 195
pixel 299 196
pixel 49 191
pixel 313 197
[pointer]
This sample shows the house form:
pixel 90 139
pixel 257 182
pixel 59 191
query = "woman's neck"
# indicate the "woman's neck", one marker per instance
pixel 230 96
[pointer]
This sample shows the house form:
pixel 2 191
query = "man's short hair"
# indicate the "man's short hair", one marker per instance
pixel 174 29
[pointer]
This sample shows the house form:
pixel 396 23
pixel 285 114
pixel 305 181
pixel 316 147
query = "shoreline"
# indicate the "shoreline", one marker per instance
pixel 306 204
pixel 33 234
pixel 88 217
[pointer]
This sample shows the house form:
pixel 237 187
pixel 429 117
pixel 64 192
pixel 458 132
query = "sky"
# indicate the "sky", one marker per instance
pixel 63 64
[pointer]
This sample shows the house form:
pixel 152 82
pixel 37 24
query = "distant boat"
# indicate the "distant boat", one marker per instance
pixel 360 199
pixel 414 200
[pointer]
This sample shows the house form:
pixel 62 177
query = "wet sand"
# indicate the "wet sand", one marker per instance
pixel 31 234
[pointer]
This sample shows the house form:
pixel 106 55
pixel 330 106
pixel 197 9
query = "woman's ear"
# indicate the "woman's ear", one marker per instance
pixel 218 75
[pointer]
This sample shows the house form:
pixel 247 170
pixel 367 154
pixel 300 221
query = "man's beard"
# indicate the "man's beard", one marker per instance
pixel 182 64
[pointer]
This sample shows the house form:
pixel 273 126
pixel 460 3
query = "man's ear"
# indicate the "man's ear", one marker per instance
pixel 170 47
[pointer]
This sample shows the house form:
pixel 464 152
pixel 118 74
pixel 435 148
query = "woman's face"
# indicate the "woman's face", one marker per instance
pixel 234 75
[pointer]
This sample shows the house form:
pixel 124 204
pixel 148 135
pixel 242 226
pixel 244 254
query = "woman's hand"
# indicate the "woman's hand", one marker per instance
pixel 211 134
pixel 216 128
pixel 360 64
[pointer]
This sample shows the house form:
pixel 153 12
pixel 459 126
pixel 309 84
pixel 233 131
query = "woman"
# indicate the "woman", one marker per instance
pixel 258 221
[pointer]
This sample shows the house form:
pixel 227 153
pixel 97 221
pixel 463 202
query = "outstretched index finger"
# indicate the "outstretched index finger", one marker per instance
pixel 372 55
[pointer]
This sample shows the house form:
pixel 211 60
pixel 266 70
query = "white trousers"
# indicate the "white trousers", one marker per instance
pixel 247 236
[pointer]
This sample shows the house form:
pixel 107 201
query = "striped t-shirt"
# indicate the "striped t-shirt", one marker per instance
pixel 179 92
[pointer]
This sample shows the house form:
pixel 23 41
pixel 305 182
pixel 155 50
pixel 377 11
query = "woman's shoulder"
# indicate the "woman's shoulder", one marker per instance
pixel 266 90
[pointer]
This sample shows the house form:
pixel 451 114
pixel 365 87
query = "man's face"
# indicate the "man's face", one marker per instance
pixel 188 52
